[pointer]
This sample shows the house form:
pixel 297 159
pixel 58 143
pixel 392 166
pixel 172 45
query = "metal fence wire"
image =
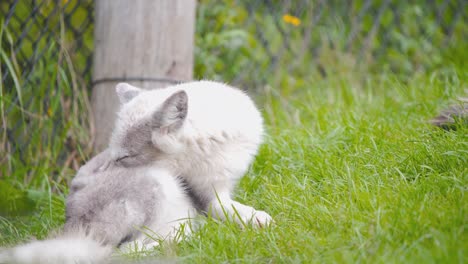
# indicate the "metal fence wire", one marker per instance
pixel 34 26
pixel 250 43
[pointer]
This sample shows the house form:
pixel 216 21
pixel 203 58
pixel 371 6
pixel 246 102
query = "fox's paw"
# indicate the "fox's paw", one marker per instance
pixel 255 218
pixel 261 219
pixel 240 213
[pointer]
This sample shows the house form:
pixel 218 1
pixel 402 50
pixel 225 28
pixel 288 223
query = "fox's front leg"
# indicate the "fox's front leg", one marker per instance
pixel 223 207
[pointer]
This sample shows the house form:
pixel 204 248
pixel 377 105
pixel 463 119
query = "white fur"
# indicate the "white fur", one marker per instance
pixel 174 211
pixel 74 246
pixel 212 150
pixel 70 249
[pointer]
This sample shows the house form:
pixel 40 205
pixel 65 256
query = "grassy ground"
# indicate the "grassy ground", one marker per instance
pixel 353 175
pixel 350 172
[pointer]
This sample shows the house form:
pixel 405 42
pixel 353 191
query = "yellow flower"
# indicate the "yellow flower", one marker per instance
pixel 291 20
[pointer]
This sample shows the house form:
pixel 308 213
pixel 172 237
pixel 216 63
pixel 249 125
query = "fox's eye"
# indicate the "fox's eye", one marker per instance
pixel 122 158
pixel 128 156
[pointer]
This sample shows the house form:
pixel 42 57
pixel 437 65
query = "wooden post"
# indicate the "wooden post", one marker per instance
pixel 146 43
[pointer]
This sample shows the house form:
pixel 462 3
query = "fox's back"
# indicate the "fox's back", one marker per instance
pixel 213 109
pixel 112 203
pixel 216 107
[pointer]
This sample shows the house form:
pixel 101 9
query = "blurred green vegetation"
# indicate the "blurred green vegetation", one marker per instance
pixel 249 42
pixel 44 106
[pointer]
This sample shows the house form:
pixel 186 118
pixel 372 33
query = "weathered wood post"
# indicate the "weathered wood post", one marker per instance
pixel 146 43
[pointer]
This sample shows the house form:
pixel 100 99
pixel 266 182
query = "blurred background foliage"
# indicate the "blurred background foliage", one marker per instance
pixel 251 42
pixel 283 46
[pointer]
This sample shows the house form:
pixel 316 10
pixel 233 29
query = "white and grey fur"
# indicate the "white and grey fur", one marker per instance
pixel 109 203
pixel 206 132
pixel 115 198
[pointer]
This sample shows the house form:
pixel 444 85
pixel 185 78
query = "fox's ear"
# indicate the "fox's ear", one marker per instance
pixel 126 92
pixel 172 113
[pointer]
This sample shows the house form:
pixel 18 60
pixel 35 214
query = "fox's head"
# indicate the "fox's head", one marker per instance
pixel 148 124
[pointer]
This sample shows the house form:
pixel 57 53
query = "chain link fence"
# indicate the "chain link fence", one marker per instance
pixel 258 42
pixel 47 46
pixel 46 57
pixel 34 27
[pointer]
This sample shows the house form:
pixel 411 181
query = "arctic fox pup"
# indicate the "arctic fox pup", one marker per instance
pixel 206 132
pixel 108 202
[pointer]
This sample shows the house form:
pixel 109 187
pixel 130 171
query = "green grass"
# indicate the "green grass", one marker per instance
pixel 44 137
pixel 353 175
pixel 350 174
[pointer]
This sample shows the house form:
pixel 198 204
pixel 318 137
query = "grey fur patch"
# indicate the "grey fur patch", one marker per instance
pixel 139 149
pixel 126 92
pixel 138 145
pixel 197 201
pixel 173 112
pixel 449 117
pixel 113 203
